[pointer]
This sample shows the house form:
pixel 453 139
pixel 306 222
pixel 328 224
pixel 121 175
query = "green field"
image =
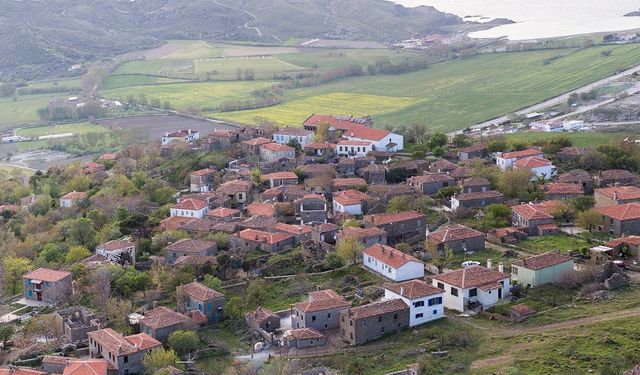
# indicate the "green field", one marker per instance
pixel 264 67
pixel 456 94
pixel 578 139
pixel 166 68
pixel 337 58
pixel 124 80
pixel 555 242
pixel 75 128
pixel 184 95
pixel 7 172
pixel 296 111
pixel 73 83
pixel 24 109
pixel 190 49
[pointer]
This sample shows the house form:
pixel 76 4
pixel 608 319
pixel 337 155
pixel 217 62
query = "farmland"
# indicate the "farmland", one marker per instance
pixel 75 129
pixel 578 139
pixel 24 108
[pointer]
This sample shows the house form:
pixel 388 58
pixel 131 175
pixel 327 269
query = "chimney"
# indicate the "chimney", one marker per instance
pixel 500 267
pixel 401 290
pixel 489 263
pixel 615 195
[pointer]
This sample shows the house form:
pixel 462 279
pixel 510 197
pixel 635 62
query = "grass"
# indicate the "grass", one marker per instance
pixel 338 58
pixel 560 242
pixel 24 109
pixel 264 67
pixel 192 49
pixel 180 68
pixel 482 256
pixel 73 83
pixel 579 139
pixel 74 128
pixel 296 111
pixel 184 95
pixel 7 173
pixel 455 94
pixel 124 80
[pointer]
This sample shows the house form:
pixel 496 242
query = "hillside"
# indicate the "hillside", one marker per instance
pixel 39 38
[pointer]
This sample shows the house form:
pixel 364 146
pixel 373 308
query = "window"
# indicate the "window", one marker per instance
pixel 418 304
pixel 329 315
pixel 126 359
pixel 454 291
pixel 473 292
pixel 379 319
pixel 418 316
pixel 435 312
pixel 435 301
pixel 441 286
pixel 514 270
pixel 395 316
pixel 313 318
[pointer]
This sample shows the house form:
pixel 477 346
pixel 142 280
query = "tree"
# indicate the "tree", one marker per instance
pixel 212 282
pixel 76 254
pixel 514 183
pixel 461 140
pixel 14 268
pixel 117 313
pixel 351 223
pixel 184 342
pixel 257 293
pixel 81 233
pixel 497 145
pixel 333 261
pixel 6 331
pixel 563 212
pixel 589 219
pixel 131 281
pixel 42 326
pixel 221 239
pixel 322 132
pixel 234 307
pixel 349 249
pixel 593 161
pixel 583 203
pixel 441 259
pixel 256 176
pixel 400 203
pixel 438 140
pixel 159 358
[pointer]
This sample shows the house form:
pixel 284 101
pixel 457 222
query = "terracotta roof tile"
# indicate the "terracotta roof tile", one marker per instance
pixel 275 147
pixel 257 141
pixel 628 211
pixel 191 205
pixel 351 197
pixel 294 131
pixel 260 209
pixel 472 277
pixel 47 274
pixel 304 334
pixel 541 261
pixel 455 232
pixel 338 122
pixel 320 145
pixel 431 178
pixel 201 292
pixel 261 314
pixel 223 212
pixel 203 172
pixel 535 210
pixel 191 246
pixel 21 371
pixel 555 188
pixel 626 240
pixel 377 308
pixel 364 132
pixel 532 162
pixel 388 218
pixel 119 345
pixel 521 154
pixel 322 300
pixel 87 367
pixel 347 182
pixel 292 229
pixel 523 310
pixel 616 174
pixel 620 192
pixel 75 195
pixel 489 194
pixel 116 245
pixel 162 317
pixel 280 176
pixel 575 176
pixel 413 289
pixel 264 237
pixel 388 255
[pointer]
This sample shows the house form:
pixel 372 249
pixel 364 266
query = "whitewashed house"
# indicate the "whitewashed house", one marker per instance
pixel 120 252
pixel 473 287
pixel 539 167
pixel 426 302
pixel 192 208
pixel 350 201
pixel 186 135
pixel 354 149
pixel 505 160
pixel 382 140
pixel 391 263
pixel 286 135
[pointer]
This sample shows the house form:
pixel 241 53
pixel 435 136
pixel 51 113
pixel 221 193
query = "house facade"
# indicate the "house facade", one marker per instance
pixel 47 286
pixel 271 152
pixel 431 184
pixel 505 160
pixel 71 199
pixel 458 238
pixel 365 236
pixel 202 180
pixel 188 247
pixel 202 299
pixel 391 263
pixel 359 325
pixel 354 148
pixel 539 167
pixel 161 322
pixel 408 226
pixel 286 135
pixel 529 217
pixel 186 135
pixel 124 353
pixel 321 311
pixel 312 208
pixel 615 195
pixel 191 208
pixel 120 252
pixel 476 199
pixel 620 220
pixel 541 269
pixel 426 302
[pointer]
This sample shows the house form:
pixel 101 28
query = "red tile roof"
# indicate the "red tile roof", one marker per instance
pixel 390 218
pixel 20 371
pixel 431 178
pixel 275 147
pixel 280 176
pixel 194 260
pixel 478 195
pixel 351 197
pixel 304 334
pixel 234 186
pixel 116 245
pixel 162 317
pixel 320 145
pixel 556 188
pixel 191 205
pixel 175 222
pixel 108 156
pixel 472 277
pixel 443 165
pixel 504 232
pixel 535 210
pixel 261 314
pixel 538 262
pixel 191 246
pixel 455 232
pixel 628 211
pixel 121 345
pixel 355 143
pixel 265 237
pixel 616 174
pixel 87 367
pixel 338 122
pixel 9 208
pixel 322 300
pixel 294 131
pixel 200 292
pixel 413 289
pixel 620 192
pixel 377 308
pixel 223 212
pixel 346 182
pixel 532 162
pixel 521 154
pixel 293 229
pixel 260 209
pixel 523 310
pixel 47 274
pixel 626 240
pixel 75 195
pixel 362 232
pixel 203 172
pixel 389 256
pixel 364 132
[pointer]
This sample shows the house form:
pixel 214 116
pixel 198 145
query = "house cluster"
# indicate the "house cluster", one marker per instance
pixel 555 126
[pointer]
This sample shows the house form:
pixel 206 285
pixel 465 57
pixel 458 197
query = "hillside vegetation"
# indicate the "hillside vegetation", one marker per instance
pixel 40 38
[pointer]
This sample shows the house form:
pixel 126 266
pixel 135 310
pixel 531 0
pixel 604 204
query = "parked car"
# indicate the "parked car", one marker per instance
pixel 470 263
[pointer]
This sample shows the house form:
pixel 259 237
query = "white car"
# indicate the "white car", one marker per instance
pixel 470 263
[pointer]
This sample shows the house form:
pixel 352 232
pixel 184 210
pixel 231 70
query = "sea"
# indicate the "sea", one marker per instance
pixel 537 19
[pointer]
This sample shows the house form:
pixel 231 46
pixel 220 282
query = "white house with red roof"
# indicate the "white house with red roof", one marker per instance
pixel 426 302
pixel 539 167
pixel 472 287
pixel 505 160
pixel 350 201
pixel 392 263
pixel 186 135
pixel 69 199
pixel 193 208
pixel 342 123
pixel 354 148
pixel 287 134
pixel 383 140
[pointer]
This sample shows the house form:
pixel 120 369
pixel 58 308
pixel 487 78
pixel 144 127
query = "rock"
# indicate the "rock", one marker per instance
pixel 608 269
pixel 599 296
pixel 616 281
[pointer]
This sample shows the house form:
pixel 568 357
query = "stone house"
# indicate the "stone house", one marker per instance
pixel 272 152
pixel 186 247
pixel 431 184
pixel 529 217
pixel 476 199
pixel 75 323
pixel 612 196
pixel 312 208
pixel 392 263
pixel 338 184
pixel 202 180
pixel 631 243
pixel 262 319
pixel 183 135
pixel 119 252
pixel 223 214
pixel 509 235
pixel 578 176
pixel 359 325
pixel 374 174
pixel 251 148
pixel 365 236
pixel 320 149
pixel 458 238
pixel 327 232
pixel 562 191
pixel 541 269
pixel 53 364
pixel 251 239
pixel 237 190
pixel 318 170
pixel 615 177
pixel 442 166
pixel 408 226
pixel 280 178
pixel 568 154
pixel 200 299
pixel 302 338
pixel 619 220
pixel 288 134
pixel 321 311
pixel 47 286
pixel 474 185
pixel 474 151
pixel 124 353
pixel 160 322
pixel 462 173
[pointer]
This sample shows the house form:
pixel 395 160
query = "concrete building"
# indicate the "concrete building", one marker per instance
pixel 391 263
pixel 539 167
pixel 353 149
pixel 505 160
pixel 541 269
pixel 426 302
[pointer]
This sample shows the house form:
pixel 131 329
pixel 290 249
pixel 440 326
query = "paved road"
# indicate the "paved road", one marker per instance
pixel 555 101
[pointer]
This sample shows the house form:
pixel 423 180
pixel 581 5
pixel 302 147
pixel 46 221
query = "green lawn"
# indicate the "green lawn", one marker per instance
pixel 296 111
pixel 184 95
pixel 579 139
pixel 24 109
pixel 455 94
pixel 75 128
pixel 191 49
pixel 73 83
pixel 563 243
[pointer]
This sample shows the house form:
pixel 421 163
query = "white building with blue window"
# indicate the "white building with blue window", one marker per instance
pixel 198 298
pixel 426 302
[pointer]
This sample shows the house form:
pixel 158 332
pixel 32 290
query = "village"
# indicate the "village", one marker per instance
pixel 424 238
